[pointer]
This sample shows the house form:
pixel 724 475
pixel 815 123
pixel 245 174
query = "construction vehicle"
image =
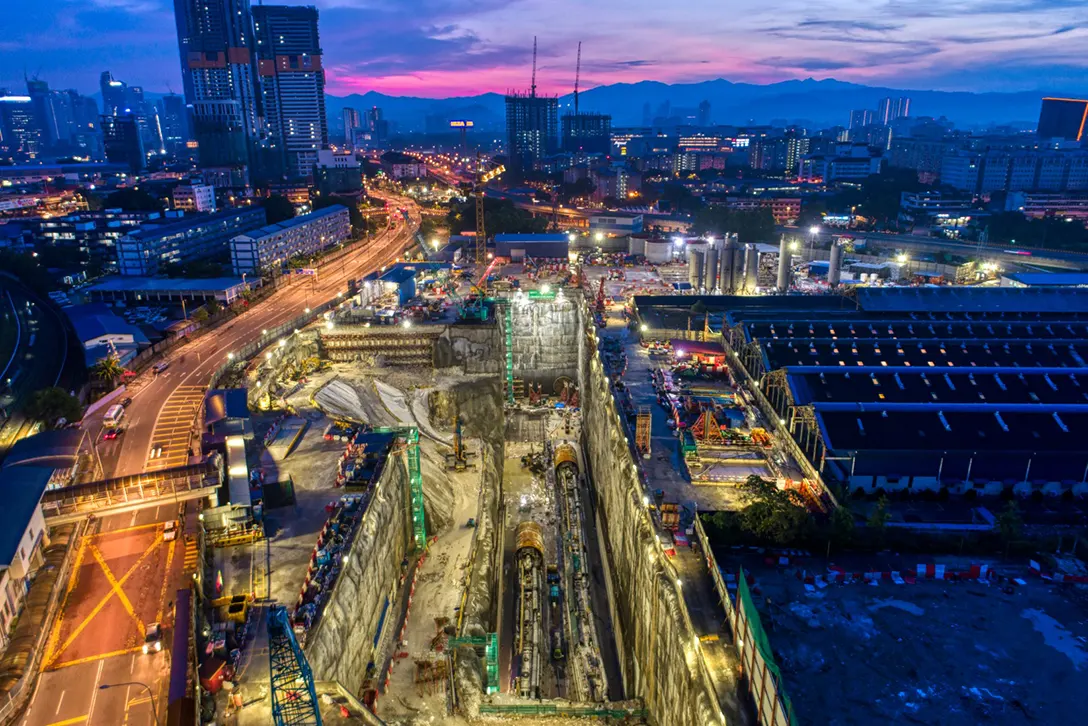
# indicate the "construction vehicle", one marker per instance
pixel 459 459
pixel 761 437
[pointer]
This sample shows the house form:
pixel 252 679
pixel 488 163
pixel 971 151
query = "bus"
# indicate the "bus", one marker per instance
pixel 113 416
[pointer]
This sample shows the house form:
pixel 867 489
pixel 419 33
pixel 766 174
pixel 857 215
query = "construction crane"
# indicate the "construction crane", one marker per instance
pixel 294 699
pixel 577 76
pixel 532 87
pixel 482 178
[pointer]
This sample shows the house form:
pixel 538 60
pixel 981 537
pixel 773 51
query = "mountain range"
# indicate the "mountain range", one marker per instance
pixel 817 103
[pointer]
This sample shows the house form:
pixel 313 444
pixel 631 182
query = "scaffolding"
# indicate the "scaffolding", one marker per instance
pixel 490 643
pixel 509 355
pixel 415 485
pixel 294 699
pixel 642 431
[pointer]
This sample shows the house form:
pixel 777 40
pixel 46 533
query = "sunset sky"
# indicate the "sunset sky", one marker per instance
pixel 441 48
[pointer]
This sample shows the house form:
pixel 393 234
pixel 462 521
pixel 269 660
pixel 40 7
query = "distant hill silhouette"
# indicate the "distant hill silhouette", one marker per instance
pixel 815 103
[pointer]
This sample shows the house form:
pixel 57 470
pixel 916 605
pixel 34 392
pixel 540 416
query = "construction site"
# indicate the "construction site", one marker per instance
pixel 455 526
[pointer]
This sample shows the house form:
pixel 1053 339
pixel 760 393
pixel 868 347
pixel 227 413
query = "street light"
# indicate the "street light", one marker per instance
pixel 230 356
pixel 599 236
pixel 150 693
pixel 901 258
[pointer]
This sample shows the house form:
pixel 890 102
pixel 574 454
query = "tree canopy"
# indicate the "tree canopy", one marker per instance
pixel 132 199
pixel 278 208
pixel 750 225
pixel 501 217
pixel 50 405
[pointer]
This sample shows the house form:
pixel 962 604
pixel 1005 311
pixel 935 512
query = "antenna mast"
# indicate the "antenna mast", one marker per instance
pixel 532 90
pixel 577 76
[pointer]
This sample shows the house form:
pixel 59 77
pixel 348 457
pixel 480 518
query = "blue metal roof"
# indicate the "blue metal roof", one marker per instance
pixel 974 299
pixel 398 275
pixel 21 488
pixel 532 238
pixel 1050 279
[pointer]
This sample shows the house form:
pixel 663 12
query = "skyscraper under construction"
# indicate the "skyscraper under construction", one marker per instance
pixel 532 126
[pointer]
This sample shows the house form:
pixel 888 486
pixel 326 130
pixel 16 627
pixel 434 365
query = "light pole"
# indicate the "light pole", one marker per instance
pixel 150 693
pixel 812 231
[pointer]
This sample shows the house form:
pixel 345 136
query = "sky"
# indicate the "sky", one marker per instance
pixel 441 48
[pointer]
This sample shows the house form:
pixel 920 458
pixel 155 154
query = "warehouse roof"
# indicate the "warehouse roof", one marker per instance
pixel 531 238
pixel 1050 279
pixel 975 299
pixel 924 385
pixel 842 327
pixel 926 353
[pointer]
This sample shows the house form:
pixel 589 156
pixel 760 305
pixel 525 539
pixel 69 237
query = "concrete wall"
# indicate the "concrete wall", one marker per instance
pixel 545 340
pixel 342 643
pixel 657 656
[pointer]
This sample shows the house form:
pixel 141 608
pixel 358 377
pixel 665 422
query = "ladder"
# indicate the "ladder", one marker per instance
pixel 509 354
pixel 642 431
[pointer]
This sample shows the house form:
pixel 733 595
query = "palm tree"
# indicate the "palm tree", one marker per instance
pixel 108 369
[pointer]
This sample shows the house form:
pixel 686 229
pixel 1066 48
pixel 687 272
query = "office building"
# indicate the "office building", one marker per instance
pixel 889 109
pixel 179 238
pixel 175 124
pixel 704 113
pixel 402 166
pixel 849 162
pixel 194 197
pixel 1039 205
pixel 20 134
pixel 114 94
pixel 531 130
pixel 587 132
pixel 1063 118
pixel 218 71
pixel 271 246
pixel 352 120
pixel 292 84
pixel 123 141
pixel 1013 171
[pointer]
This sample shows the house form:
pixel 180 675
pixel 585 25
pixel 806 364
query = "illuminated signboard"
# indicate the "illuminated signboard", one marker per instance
pixel 461 124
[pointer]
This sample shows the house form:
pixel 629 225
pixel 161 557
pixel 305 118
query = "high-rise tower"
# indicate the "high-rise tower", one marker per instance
pixel 292 84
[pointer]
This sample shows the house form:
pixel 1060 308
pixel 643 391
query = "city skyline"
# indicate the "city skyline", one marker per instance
pixel 438 49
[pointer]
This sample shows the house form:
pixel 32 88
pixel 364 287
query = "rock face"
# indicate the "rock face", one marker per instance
pixel 654 640
pixel 342 644
pixel 471 348
pixel 545 336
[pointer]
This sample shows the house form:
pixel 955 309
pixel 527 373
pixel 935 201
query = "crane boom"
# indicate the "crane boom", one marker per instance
pixel 532 88
pixel 577 76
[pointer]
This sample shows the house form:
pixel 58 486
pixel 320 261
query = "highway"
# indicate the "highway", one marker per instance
pixel 164 407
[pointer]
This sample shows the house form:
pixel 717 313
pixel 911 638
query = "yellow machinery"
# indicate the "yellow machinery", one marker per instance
pixel 529 534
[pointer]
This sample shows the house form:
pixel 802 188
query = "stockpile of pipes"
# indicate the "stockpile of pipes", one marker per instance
pixel 333 542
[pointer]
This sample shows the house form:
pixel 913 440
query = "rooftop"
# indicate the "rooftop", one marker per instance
pixel 94 320
pixel 270 229
pixel 164 284
pixel 21 488
pixel 1050 279
pixel 57 449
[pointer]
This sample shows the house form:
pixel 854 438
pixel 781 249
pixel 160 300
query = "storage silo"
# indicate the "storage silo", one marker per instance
pixel 710 281
pixel 784 259
pixel 834 265
pixel 696 270
pixel 725 272
pixel 751 268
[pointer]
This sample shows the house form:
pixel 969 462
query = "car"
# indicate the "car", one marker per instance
pixel 170 530
pixel 110 435
pixel 153 638
pixel 160 367
pixel 125 402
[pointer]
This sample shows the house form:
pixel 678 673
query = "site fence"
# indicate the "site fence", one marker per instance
pixel 761 673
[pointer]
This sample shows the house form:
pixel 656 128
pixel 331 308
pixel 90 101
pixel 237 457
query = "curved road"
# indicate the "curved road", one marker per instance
pixel 165 406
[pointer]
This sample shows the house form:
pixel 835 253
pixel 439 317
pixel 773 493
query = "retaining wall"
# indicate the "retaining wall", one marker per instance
pixel 342 643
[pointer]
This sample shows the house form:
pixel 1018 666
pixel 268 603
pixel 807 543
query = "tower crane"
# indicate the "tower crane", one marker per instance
pixel 482 178
pixel 577 76
pixel 294 698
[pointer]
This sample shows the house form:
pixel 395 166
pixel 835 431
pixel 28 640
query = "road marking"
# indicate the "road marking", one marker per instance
pixel 166 579
pixel 94 693
pixel 133 528
pixel 70 721
pixel 117 589
pixel 59 702
pixel 51 655
pixel 100 656
pixel 132 666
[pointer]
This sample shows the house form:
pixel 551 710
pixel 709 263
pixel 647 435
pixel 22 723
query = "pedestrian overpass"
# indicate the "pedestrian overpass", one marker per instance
pixel 133 492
